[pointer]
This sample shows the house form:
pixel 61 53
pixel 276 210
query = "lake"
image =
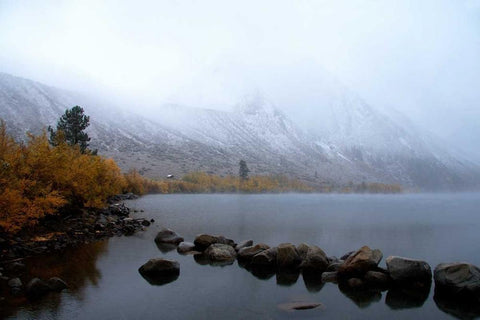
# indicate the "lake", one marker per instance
pixel 105 283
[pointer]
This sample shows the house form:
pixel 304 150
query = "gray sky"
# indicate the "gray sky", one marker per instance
pixel 421 57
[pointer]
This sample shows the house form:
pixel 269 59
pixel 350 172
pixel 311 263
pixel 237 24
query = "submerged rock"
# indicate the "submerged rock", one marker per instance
pixel 361 261
pixel 408 270
pixel 168 236
pixel 299 306
pixel 15 283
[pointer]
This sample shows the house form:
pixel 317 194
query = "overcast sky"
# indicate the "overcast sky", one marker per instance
pixel 421 57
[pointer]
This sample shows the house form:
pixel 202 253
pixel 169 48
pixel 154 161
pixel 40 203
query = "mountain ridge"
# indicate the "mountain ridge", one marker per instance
pixel 183 139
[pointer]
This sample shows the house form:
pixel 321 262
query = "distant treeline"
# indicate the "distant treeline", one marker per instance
pixel 201 182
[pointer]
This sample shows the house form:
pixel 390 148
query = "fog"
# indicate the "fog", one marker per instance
pixel 421 58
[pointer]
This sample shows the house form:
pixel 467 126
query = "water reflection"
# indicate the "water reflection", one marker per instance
pixel 165 247
pixel 362 297
pixel 458 307
pixel 408 297
pixel 77 266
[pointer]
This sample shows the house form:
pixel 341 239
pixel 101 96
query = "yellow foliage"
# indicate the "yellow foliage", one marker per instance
pixel 37 179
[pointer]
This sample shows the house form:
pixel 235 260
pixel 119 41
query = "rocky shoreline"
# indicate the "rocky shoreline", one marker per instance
pixel 59 233
pixel 357 273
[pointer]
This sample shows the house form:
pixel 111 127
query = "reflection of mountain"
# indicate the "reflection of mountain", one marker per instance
pixel 77 266
pixel 350 141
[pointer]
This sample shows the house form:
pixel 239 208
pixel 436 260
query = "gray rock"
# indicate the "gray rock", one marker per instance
pixel 249 252
pixel 168 236
pixel 330 276
pixel 56 284
pixel 16 267
pixel 315 260
pixel 363 260
pixel 243 244
pixel 267 258
pixel 203 241
pixel 334 266
pixel 302 250
pixel 355 283
pixel 376 278
pixel 220 252
pixel 287 256
pixel 37 288
pixel 15 283
pixel 408 270
pixel 185 247
pixel 460 279
pixel 160 266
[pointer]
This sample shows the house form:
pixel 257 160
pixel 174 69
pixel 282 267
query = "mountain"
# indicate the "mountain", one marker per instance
pixel 352 142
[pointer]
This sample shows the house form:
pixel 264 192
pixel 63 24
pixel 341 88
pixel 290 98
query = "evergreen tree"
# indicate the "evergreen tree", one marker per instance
pixel 243 171
pixel 70 129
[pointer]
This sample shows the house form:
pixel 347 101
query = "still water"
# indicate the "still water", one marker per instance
pixel 105 284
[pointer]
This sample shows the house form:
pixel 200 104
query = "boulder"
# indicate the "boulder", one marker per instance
pixel 266 258
pixel 37 288
pixel 243 244
pixel 203 241
pixel 248 253
pixel 56 284
pixel 329 276
pixel 334 266
pixel 15 283
pixel 408 270
pixel 302 250
pixel 220 252
pixel 355 283
pixel 160 266
pixel 185 247
pixel 361 261
pixel 287 256
pixel 459 279
pixel 168 236
pixel 315 260
pixel 377 278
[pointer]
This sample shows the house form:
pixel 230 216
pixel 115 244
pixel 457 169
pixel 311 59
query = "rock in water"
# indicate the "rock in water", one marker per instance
pixel 160 271
pixel 56 284
pixel 287 256
pixel 15 283
pixel 168 236
pixel 243 244
pixel 185 247
pixel 315 260
pixel 220 252
pixel 408 270
pixel 248 253
pixel 302 250
pixel 203 241
pixel 266 258
pixel 37 288
pixel 363 260
pixel 459 279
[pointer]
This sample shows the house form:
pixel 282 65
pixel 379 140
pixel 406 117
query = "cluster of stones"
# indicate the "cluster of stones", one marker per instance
pixel 356 270
pixel 35 288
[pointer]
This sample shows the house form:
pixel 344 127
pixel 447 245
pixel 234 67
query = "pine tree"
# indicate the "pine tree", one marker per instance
pixel 243 171
pixel 70 129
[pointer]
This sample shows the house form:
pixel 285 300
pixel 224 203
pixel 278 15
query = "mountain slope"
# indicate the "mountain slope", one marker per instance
pixel 353 142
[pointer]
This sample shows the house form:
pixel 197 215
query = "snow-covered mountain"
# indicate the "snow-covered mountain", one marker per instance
pixel 350 142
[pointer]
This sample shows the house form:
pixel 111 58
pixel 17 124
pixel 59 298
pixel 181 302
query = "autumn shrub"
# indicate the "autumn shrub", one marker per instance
pixel 37 179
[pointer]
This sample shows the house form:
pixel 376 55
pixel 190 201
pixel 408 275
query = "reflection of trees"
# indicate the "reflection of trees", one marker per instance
pixel 77 266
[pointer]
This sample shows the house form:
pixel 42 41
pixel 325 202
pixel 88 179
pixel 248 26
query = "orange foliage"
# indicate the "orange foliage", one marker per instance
pixel 37 179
